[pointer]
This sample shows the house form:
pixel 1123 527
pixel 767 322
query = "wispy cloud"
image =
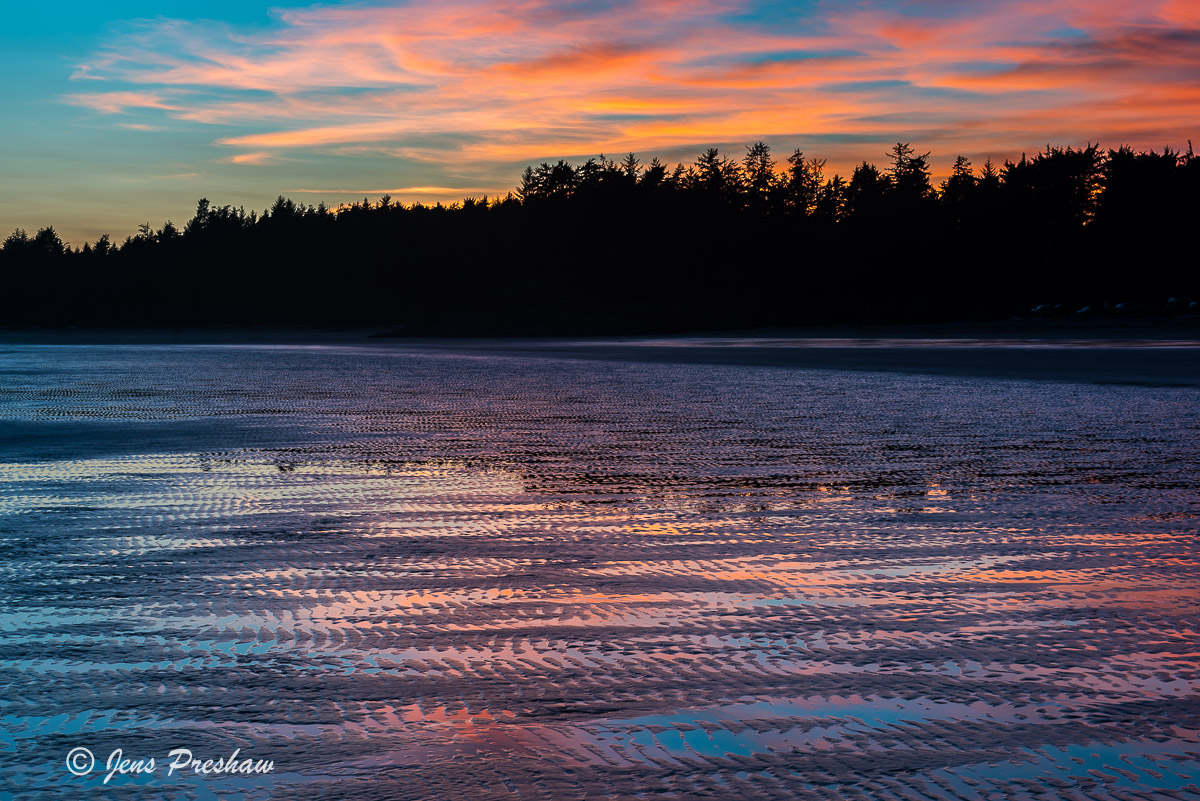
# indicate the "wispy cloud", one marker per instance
pixel 450 191
pixel 252 158
pixel 460 82
pixel 122 102
pixel 177 176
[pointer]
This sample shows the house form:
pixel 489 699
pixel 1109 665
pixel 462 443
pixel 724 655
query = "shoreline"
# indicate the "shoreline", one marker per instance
pixel 1097 363
pixel 1016 329
pixel 1147 355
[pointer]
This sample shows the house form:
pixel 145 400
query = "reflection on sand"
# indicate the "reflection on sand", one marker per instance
pixel 416 576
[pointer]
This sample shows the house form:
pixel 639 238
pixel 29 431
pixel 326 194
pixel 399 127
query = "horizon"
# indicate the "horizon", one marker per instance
pixel 380 197
pixel 129 113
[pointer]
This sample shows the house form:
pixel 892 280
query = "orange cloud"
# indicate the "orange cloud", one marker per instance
pixel 468 82
pixel 251 158
pixel 449 191
pixel 120 102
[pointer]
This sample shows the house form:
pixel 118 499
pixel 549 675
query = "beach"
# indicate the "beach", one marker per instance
pixel 695 569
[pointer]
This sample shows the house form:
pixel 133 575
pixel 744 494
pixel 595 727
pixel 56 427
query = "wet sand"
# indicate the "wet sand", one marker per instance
pixel 448 573
pixel 1154 353
pixel 1126 361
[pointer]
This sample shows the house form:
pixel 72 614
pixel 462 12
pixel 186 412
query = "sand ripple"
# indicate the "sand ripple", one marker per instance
pixel 415 576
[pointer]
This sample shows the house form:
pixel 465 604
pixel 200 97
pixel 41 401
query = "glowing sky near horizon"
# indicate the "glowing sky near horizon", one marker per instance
pixel 129 111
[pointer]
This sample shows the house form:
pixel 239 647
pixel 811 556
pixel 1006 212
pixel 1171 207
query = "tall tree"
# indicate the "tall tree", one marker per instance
pixel 760 179
pixel 958 191
pixel 910 174
pixel 866 192
pixel 804 181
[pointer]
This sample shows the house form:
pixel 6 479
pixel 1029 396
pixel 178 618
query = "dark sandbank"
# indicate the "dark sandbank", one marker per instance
pixel 1095 361
pixel 1146 352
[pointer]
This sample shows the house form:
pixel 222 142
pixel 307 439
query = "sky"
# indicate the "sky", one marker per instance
pixel 129 111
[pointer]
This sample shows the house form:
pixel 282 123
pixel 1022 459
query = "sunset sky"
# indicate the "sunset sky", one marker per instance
pixel 128 111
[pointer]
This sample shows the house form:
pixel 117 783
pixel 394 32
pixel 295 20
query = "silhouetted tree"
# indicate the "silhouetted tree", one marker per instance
pixel 607 246
pixel 103 246
pixel 830 204
pixel 1057 188
pixel 16 243
pixel 530 186
pixel 866 193
pixel 717 176
pixel 631 168
pixel 804 182
pixel 910 181
pixel 654 176
pixel 760 179
pixel 46 244
pixel 958 191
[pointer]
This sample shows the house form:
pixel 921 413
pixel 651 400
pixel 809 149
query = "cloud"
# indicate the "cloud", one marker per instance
pixel 451 191
pixel 121 102
pixel 460 82
pixel 252 158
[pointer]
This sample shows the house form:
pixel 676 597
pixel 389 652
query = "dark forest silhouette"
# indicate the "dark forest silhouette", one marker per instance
pixel 626 246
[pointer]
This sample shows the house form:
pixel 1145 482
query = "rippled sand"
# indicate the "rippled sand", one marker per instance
pixel 411 575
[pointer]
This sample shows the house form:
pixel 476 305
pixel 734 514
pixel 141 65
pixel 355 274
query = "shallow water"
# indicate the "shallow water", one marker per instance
pixel 414 575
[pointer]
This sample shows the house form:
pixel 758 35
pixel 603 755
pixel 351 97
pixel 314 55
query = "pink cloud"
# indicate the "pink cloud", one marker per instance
pixel 252 158
pixel 120 102
pixel 438 191
pixel 468 81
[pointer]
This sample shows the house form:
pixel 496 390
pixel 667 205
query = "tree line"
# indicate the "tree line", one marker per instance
pixel 630 246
